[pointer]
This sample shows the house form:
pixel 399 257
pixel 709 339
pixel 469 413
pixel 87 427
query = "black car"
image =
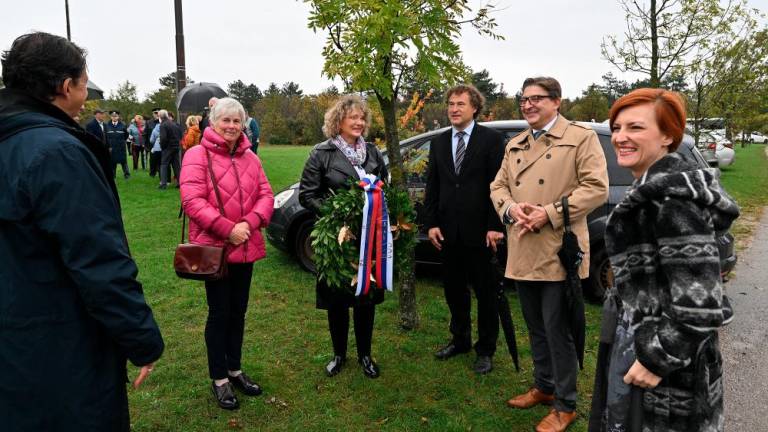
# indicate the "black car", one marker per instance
pixel 291 223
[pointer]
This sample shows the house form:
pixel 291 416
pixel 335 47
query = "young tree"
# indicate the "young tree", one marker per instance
pixel 377 45
pixel 662 34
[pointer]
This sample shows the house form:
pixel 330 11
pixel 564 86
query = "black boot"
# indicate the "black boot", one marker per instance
pixel 334 366
pixel 370 369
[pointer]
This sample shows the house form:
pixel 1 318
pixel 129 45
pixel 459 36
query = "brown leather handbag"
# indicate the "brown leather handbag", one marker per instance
pixel 201 262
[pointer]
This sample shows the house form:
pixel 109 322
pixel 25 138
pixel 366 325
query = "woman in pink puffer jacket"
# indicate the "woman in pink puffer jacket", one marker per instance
pixel 247 200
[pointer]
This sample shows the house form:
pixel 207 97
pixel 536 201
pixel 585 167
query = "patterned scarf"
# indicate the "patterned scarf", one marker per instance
pixel 355 155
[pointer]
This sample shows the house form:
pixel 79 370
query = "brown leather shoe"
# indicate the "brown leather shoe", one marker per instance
pixel 556 421
pixel 531 398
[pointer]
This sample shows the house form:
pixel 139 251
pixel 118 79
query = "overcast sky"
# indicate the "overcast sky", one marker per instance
pixel 263 41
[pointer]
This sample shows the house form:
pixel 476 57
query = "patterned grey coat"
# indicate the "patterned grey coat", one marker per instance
pixel 663 251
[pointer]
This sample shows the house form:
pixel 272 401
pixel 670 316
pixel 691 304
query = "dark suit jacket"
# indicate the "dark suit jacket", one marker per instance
pixel 94 129
pixel 461 205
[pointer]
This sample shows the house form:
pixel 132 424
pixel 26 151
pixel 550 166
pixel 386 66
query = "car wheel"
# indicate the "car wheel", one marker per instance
pixel 600 274
pixel 303 245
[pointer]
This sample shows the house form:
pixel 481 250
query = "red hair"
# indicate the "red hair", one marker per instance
pixel 669 108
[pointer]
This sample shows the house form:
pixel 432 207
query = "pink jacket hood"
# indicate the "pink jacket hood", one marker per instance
pixel 245 193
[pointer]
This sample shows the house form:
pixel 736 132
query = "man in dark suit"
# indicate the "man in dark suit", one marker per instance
pixel 462 223
pixel 96 126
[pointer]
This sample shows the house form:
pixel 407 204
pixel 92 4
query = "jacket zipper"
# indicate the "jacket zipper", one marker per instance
pixel 240 192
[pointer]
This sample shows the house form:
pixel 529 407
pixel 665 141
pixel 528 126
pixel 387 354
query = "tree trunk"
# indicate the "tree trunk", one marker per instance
pixel 409 314
pixel 655 81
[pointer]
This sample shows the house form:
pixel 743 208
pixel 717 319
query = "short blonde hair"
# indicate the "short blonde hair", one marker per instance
pixel 191 121
pixel 340 110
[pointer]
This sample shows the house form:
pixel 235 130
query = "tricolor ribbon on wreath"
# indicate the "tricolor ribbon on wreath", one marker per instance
pixel 376 248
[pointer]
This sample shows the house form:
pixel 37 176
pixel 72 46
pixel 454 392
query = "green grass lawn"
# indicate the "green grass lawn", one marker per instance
pixel 287 343
pixel 747 181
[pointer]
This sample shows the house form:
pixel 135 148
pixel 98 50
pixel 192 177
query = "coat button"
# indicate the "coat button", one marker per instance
pixel 541 181
pixel 549 156
pixel 517 183
pixel 518 161
pixel 457 185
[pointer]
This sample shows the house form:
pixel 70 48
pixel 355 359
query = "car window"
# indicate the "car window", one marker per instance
pixel 415 160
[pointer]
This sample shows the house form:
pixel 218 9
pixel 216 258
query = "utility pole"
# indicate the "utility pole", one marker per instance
pixel 66 8
pixel 181 70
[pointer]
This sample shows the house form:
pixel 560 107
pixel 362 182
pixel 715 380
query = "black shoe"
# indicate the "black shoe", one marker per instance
pixel 449 351
pixel 334 366
pixel 483 365
pixel 245 385
pixel 370 369
pixel 225 396
pixel 127 176
pixel 162 187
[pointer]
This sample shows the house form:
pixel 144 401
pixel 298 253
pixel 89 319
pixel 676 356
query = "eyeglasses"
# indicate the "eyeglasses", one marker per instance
pixel 535 99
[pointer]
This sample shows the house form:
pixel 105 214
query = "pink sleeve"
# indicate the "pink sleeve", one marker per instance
pixel 194 195
pixel 262 210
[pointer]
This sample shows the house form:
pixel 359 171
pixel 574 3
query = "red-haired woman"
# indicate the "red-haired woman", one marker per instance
pixel 659 367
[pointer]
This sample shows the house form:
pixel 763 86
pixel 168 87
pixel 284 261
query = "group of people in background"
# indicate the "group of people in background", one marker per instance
pixel 73 310
pixel 158 141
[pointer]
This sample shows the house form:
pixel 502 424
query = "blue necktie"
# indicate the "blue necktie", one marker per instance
pixel 537 134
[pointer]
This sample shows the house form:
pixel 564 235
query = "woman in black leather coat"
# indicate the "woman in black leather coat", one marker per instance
pixel 330 165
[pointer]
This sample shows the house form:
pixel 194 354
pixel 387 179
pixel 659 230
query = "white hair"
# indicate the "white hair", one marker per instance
pixel 227 106
pixel 163 114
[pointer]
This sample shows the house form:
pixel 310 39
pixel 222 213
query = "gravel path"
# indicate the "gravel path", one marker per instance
pixel 745 341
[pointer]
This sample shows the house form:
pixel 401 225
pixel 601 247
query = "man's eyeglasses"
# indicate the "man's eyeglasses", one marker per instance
pixel 535 99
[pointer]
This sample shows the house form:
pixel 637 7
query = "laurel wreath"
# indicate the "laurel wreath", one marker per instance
pixel 336 234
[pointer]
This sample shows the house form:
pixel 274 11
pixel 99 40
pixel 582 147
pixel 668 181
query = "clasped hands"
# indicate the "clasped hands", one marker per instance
pixel 240 233
pixel 528 217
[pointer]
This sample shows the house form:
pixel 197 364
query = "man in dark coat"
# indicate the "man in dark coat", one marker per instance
pixel 149 126
pixel 71 309
pixel 96 126
pixel 117 135
pixel 170 138
pixel 462 223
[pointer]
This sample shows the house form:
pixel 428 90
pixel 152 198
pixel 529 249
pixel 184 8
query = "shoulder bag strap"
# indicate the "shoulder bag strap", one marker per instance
pixel 183 215
pixel 215 183
pixel 566 214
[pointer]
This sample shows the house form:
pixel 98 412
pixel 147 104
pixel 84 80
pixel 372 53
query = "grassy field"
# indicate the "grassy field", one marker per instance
pixel 747 181
pixel 287 343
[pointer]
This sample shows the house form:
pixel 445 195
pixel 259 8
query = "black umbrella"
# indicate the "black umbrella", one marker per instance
pixel 194 97
pixel 571 256
pixel 505 317
pixel 94 92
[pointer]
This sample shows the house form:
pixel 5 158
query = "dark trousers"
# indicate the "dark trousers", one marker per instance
pixel 554 355
pixel 123 164
pixel 463 265
pixel 138 154
pixel 338 324
pixel 154 163
pixel 170 159
pixel 227 303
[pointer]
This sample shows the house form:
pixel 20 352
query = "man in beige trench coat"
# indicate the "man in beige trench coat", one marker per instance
pixel 552 159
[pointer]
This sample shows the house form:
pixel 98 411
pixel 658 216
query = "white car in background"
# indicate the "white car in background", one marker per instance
pixel 758 138
pixel 716 148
